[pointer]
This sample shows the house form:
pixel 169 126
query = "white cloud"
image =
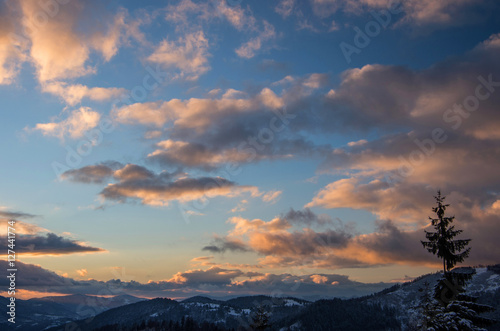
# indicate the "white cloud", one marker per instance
pixel 79 121
pixel 271 196
pixel 189 54
pixel 73 94
pixel 249 49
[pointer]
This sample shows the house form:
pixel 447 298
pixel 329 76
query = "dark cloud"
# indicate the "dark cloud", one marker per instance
pixel 221 245
pixel 15 215
pixel 395 245
pixel 49 243
pixel 134 182
pixel 92 174
pixel 304 243
pixel 306 217
pixel 36 277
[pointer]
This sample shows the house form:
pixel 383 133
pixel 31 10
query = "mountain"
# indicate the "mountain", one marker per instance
pixel 88 305
pixel 391 309
pixel 36 315
pixel 40 313
pixel 224 314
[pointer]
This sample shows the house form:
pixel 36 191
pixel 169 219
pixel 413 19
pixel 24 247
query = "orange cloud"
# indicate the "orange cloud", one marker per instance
pixel 82 272
pixel 12 49
pixel 58 49
pixel 318 279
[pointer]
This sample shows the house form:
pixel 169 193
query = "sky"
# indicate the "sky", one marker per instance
pixel 236 147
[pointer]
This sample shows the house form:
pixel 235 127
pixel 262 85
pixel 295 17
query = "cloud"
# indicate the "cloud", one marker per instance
pixel 50 244
pixel 188 14
pixel 202 258
pixel 219 281
pixel 280 245
pixel 52 39
pixel 285 8
pixel 134 182
pixel 12 48
pixel 248 50
pixel 434 139
pixel 58 49
pixel 194 113
pixel 437 125
pixel 14 215
pixel 34 240
pixel 271 196
pixel 73 94
pixel 213 276
pixel 306 217
pixel 221 245
pixel 318 279
pixel 189 54
pixel 77 123
pixel 92 174
pixel 35 277
pixel 236 15
pixel 157 191
pixel 182 153
pixel 416 12
pixel 379 197
pixel 261 127
pixel 82 272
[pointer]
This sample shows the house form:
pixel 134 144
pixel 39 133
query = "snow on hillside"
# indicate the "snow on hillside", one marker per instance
pixel 406 297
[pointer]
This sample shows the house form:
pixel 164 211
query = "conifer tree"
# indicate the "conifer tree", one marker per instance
pixel 442 242
pixel 260 319
pixel 457 311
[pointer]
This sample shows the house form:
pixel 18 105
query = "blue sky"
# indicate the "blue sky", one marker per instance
pixel 222 146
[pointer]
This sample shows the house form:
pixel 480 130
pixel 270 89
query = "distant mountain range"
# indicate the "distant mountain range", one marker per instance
pixel 391 309
pixel 42 313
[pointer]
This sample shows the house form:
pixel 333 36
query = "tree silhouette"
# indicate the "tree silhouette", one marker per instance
pixel 441 242
pixel 458 311
pixel 260 319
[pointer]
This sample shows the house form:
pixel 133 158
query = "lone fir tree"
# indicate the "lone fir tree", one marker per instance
pixel 442 242
pixel 451 308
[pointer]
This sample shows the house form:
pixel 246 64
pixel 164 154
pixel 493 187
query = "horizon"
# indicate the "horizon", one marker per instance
pixel 233 148
pixel 402 283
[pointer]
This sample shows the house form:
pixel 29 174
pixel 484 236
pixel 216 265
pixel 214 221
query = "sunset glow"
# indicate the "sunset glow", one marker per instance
pixel 227 148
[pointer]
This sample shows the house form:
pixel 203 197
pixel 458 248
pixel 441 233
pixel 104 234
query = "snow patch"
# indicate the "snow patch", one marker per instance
pixel 493 277
pixel 289 303
pixel 480 271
